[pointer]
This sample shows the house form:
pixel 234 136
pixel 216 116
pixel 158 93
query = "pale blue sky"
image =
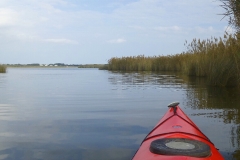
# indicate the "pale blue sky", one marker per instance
pixel 93 31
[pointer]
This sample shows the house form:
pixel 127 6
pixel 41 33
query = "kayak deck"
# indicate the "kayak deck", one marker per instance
pixel 176 137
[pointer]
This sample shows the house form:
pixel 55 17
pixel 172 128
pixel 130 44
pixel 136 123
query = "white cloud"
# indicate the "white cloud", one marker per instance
pixel 61 40
pixel 137 27
pixel 171 28
pixel 8 17
pixel 26 37
pixel 205 30
pixel 140 23
pixel 119 40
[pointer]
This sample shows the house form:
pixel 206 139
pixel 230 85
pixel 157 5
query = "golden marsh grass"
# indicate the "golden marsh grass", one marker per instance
pixel 217 59
pixel 2 69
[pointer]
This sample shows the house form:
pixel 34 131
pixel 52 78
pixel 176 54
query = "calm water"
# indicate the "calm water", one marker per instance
pixel 88 114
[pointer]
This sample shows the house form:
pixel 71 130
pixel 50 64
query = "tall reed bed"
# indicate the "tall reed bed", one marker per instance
pixel 2 69
pixel 218 59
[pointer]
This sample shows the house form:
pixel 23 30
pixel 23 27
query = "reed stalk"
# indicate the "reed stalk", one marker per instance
pixel 218 59
pixel 2 69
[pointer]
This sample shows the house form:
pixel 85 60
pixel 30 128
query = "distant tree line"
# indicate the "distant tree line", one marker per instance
pixel 40 65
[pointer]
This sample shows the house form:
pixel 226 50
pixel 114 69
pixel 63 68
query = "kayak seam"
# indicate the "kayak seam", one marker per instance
pixel 151 132
pixel 195 128
pixel 176 114
pixel 178 132
pixel 156 128
pixel 191 136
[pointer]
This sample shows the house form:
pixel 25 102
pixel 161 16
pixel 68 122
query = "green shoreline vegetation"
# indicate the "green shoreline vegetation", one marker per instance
pixel 55 65
pixel 99 66
pixel 218 59
pixel 2 69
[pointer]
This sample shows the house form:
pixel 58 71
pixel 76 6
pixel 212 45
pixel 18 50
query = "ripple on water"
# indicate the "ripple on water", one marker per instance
pixel 7 111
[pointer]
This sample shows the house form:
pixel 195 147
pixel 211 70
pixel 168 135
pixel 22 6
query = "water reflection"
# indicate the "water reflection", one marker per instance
pixel 198 94
pixel 68 139
pixel 145 80
pixel 91 114
pixel 210 102
pixel 227 101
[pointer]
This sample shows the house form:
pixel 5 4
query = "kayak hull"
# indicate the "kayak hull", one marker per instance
pixel 175 124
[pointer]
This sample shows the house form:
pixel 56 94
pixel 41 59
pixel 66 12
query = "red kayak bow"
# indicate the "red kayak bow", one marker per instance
pixel 176 137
